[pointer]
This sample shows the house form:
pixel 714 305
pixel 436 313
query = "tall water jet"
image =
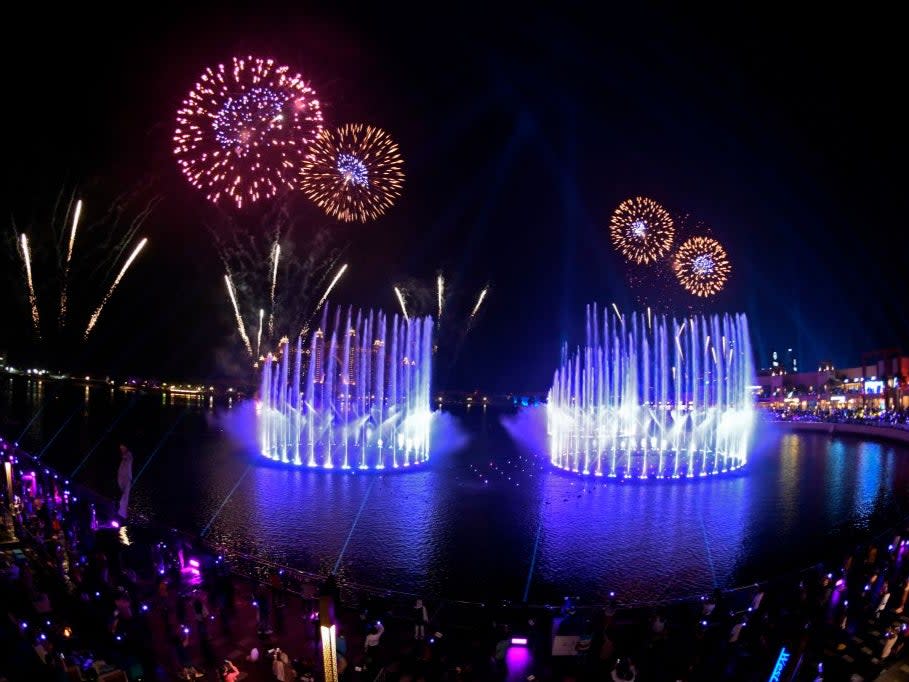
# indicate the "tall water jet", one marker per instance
pixel 354 394
pixel 653 397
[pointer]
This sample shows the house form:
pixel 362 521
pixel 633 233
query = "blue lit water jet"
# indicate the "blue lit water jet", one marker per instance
pixel 355 394
pixel 653 398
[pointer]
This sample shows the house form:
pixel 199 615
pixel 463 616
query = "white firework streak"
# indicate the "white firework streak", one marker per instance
pixel 129 261
pixel 331 286
pixel 401 301
pixel 32 299
pixel 479 302
pixel 69 257
pixel 276 254
pixel 440 285
pixel 240 325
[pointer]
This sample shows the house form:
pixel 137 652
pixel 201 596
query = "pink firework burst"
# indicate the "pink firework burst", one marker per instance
pixel 243 130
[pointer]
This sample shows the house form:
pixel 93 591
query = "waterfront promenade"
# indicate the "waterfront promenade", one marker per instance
pixel 166 599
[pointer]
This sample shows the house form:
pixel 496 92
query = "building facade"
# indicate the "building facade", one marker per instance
pixel 880 382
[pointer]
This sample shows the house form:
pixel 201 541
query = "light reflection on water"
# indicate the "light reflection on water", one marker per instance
pixel 445 531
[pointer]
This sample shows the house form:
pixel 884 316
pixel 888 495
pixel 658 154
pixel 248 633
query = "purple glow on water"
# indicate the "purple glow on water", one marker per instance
pixel 755 526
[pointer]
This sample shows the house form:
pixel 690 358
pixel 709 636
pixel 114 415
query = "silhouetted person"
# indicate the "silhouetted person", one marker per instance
pixel 124 479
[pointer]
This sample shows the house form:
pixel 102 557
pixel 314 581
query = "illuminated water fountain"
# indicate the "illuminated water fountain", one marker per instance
pixel 654 397
pixel 353 394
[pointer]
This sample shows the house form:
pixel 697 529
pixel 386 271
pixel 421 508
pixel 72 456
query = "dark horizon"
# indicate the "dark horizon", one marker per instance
pixel 521 134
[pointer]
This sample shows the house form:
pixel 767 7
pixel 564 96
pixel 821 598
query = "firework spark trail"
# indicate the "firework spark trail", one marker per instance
pixel 440 282
pixel 240 326
pixel 331 286
pixel 259 337
pixel 276 254
pixel 129 261
pixel 72 234
pixel 69 256
pixel 401 301
pixel 322 300
pixel 32 299
pixel 479 302
pixel 116 244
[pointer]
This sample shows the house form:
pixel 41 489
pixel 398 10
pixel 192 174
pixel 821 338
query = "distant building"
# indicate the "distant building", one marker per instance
pixel 319 377
pixel 792 363
pixel 881 382
pixel 352 353
pixel 782 365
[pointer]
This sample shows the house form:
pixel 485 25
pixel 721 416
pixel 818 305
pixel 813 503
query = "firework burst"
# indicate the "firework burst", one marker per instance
pixel 701 266
pixel 243 130
pixel 353 173
pixel 642 230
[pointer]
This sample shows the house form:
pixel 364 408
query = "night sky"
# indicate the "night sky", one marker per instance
pixel 521 131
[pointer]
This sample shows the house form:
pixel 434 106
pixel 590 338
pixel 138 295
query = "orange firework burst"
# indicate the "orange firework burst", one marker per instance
pixel 642 230
pixel 702 266
pixel 353 173
pixel 243 130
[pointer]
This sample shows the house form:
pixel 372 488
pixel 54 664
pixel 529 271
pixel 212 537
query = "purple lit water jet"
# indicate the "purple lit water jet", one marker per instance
pixel 654 397
pixel 355 394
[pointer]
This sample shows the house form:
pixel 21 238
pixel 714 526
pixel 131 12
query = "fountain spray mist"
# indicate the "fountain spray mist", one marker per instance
pixel 631 403
pixel 354 394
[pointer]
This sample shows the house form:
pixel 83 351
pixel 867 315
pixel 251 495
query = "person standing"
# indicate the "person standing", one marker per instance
pixel 124 479
pixel 420 618
pixel 228 672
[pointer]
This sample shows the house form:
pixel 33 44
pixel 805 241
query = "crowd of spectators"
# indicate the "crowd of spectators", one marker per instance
pixel 898 419
pixel 91 596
